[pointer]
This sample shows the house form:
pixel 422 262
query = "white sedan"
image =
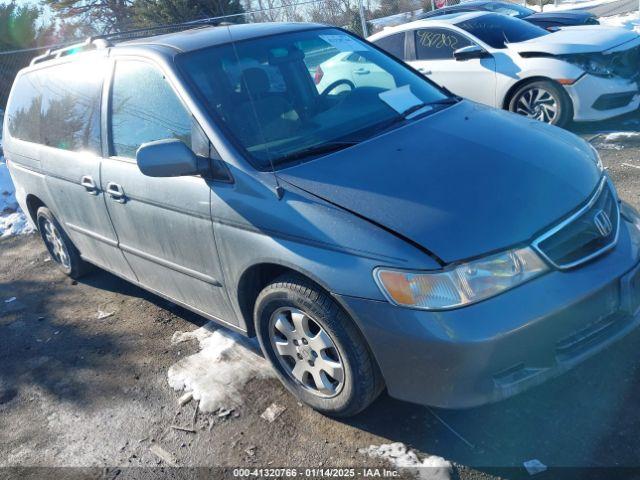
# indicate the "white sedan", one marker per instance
pixel 584 73
pixel 350 70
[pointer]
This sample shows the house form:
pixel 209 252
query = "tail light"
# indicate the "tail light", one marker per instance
pixel 318 75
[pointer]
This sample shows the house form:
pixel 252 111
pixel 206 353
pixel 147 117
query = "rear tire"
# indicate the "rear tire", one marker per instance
pixel 60 247
pixel 542 100
pixel 315 348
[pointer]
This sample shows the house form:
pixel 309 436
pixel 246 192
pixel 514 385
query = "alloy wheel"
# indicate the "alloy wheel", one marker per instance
pixel 537 103
pixel 55 243
pixel 306 352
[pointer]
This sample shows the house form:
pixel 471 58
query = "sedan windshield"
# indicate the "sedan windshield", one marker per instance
pixel 498 30
pixel 290 97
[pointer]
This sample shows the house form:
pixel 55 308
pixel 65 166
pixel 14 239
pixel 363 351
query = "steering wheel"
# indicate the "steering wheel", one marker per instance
pixel 337 83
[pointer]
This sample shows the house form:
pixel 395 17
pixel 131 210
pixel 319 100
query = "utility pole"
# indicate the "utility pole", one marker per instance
pixel 363 20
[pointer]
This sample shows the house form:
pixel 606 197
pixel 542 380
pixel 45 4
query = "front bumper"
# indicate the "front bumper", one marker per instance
pixel 497 348
pixel 588 92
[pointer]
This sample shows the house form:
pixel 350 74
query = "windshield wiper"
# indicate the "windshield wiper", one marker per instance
pixel 390 123
pixel 416 108
pixel 322 149
pixel 330 147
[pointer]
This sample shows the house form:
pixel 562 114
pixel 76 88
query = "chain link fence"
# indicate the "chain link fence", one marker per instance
pixel 10 64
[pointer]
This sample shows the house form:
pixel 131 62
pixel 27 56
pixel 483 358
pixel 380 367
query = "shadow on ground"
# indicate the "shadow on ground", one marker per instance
pixel 587 418
pixel 629 122
pixel 48 344
pixel 39 350
pixel 105 281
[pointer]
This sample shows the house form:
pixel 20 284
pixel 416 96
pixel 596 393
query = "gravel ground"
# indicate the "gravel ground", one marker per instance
pixel 78 391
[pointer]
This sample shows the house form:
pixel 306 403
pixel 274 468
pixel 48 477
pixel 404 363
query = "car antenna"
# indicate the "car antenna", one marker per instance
pixel 279 190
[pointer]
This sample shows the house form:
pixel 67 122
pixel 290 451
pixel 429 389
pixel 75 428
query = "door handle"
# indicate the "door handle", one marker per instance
pixel 89 185
pixel 424 71
pixel 361 71
pixel 116 192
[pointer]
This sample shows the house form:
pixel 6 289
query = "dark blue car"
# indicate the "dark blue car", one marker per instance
pixel 547 21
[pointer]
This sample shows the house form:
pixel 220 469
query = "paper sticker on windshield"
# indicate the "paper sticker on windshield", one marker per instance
pixel 400 99
pixel 344 43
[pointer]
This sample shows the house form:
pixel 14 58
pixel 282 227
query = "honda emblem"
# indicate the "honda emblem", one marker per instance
pixel 603 223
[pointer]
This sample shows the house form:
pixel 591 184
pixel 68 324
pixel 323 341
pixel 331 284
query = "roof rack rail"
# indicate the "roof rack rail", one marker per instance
pixel 109 39
pixel 50 54
pixel 157 30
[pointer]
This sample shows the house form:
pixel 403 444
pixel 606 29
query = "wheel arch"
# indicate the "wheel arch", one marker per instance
pixel 537 78
pixel 253 280
pixel 256 277
pixel 33 204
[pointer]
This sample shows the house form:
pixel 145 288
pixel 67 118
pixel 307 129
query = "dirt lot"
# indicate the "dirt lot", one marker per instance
pixel 77 391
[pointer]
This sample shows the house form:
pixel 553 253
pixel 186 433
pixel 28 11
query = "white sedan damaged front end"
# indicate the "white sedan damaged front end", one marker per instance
pixel 604 71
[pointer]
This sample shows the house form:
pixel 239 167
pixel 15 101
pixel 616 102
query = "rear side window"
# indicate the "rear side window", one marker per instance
pixel 497 30
pixel 23 111
pixel 59 106
pixel 144 108
pixel 393 44
pixel 438 43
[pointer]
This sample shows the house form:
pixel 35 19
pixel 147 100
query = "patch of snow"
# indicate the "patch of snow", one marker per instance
pixel 216 374
pixel 431 467
pixel 12 220
pixel 618 140
pixel 569 5
pixel 616 136
pixel 630 21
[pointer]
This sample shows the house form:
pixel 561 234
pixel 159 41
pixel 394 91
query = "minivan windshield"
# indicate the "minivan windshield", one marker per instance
pixel 498 30
pixel 294 96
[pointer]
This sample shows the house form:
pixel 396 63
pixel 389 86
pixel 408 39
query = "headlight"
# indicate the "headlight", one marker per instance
pixel 465 284
pixel 591 64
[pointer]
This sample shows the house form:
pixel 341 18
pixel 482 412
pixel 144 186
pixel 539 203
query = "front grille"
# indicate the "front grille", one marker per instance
pixel 586 234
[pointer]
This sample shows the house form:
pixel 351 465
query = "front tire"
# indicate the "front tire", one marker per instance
pixel 60 247
pixel 315 348
pixel 542 100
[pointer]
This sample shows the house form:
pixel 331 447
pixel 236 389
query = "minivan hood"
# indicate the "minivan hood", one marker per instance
pixel 579 39
pixel 461 183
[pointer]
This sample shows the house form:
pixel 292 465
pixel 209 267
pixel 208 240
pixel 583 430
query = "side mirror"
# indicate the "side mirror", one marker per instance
pixel 168 158
pixel 469 52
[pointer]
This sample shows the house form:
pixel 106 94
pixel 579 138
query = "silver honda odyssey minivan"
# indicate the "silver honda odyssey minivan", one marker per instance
pixel 371 229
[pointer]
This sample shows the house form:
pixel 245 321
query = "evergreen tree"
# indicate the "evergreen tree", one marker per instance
pixel 161 12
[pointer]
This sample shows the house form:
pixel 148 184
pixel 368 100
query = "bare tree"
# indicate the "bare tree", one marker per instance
pixel 105 15
pixel 274 11
pixel 331 12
